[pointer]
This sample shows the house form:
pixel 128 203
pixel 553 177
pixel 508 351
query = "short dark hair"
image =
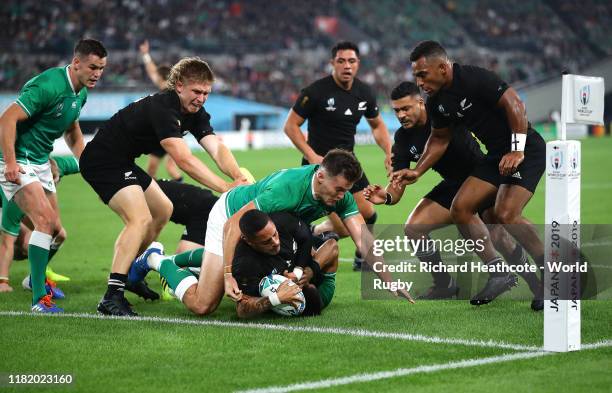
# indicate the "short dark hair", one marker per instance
pixel 341 162
pixel 405 89
pixel 344 45
pixel 89 46
pixel 252 222
pixel 164 71
pixel 427 49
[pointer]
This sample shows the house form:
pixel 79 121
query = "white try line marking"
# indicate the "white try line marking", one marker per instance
pixel 297 329
pixel 400 372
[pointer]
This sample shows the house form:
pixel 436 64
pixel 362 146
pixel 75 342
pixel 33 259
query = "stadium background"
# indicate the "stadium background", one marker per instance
pixel 262 53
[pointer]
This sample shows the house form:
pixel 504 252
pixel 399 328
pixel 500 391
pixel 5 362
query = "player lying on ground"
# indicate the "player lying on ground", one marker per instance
pixel 108 165
pixel 275 244
pixel 433 211
pixel 476 99
pixel 48 107
pixel 17 230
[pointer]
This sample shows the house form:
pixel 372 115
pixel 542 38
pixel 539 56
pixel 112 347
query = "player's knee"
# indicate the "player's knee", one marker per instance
pixel 461 213
pixel 505 216
pixel 142 222
pixel 203 309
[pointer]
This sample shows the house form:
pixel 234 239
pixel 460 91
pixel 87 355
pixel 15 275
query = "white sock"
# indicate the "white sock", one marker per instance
pixel 154 261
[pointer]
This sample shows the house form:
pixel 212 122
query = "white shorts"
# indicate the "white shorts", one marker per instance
pixel 213 241
pixel 33 173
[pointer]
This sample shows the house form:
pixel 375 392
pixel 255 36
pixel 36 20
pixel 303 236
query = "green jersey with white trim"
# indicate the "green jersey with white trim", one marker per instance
pixel 289 190
pixel 52 106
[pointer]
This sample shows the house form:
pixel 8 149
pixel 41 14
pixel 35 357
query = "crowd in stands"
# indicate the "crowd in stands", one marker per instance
pixel 266 51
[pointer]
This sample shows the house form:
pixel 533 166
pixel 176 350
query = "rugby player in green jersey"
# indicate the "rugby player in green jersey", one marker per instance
pixel 48 107
pixel 15 233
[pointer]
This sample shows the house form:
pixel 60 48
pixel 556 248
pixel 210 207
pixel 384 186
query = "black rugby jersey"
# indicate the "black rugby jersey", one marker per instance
pixel 456 164
pixel 250 266
pixel 333 113
pixel 139 127
pixel 471 102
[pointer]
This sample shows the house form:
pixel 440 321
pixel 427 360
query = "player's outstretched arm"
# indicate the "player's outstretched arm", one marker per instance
pixel 74 139
pixel 8 135
pixel 378 195
pixel 381 136
pixel 516 113
pixel 222 156
pixel 364 241
pixel 150 66
pixel 293 131
pixel 181 154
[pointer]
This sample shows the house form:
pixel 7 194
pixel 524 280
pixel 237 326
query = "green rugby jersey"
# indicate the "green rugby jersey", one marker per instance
pixel 288 190
pixel 52 106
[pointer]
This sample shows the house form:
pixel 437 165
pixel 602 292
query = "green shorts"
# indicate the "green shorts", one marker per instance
pixel 326 288
pixel 11 216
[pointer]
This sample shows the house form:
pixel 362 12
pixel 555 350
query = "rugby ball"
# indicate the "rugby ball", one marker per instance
pixel 269 284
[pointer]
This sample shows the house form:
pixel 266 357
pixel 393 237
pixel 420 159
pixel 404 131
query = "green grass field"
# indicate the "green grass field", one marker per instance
pixel 355 345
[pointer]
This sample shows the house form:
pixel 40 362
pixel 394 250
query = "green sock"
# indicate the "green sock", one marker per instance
pixel 38 255
pixel 191 258
pixel 174 275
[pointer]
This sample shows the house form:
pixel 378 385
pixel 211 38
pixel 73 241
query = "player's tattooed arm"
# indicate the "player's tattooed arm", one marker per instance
pixel 250 306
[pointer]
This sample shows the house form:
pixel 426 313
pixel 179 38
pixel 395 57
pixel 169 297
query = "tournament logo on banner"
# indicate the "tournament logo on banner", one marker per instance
pixel 556 161
pixel 585 93
pixel 584 96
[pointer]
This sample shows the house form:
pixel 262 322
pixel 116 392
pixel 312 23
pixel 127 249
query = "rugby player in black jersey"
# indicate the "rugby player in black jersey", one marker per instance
pixel 433 211
pixel 333 106
pixel 107 164
pixel 280 243
pixel 478 100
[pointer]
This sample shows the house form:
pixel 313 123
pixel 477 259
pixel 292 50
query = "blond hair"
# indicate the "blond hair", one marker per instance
pixel 192 69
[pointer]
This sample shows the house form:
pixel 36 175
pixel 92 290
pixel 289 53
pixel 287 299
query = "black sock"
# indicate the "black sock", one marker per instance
pixel 116 284
pixel 497 262
pixel 52 251
pixel 519 257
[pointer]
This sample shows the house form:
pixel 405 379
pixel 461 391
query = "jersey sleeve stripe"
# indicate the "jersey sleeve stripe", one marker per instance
pixel 22 106
pixel 349 214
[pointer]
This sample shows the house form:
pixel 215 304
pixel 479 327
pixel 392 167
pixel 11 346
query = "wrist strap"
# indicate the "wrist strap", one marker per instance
pixel 227 269
pixel 299 272
pixel 388 198
pixel 274 300
pixel 518 141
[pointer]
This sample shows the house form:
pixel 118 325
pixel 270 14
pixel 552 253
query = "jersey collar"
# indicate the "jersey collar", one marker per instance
pixel 314 174
pixel 69 80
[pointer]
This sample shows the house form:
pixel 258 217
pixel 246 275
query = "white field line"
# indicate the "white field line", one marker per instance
pixel 400 372
pixel 298 329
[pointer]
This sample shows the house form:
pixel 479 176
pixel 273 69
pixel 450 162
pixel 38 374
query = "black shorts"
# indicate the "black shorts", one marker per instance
pixel 528 173
pixel 107 174
pixel 359 185
pixel 195 231
pixel 161 153
pixel 444 193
